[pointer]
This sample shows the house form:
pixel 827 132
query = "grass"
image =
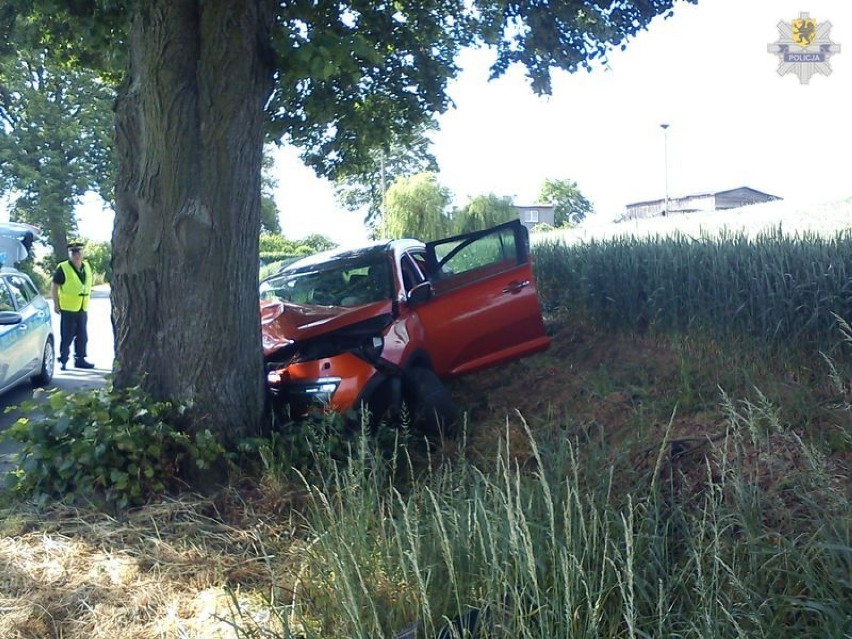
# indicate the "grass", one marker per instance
pixel 612 518
pixel 626 483
pixel 778 288
pixel 547 546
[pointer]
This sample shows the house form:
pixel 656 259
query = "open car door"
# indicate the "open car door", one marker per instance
pixel 484 307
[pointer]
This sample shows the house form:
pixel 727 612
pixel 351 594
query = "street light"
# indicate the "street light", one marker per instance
pixel 665 128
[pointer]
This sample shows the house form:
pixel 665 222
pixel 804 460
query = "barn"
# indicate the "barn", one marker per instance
pixel 718 201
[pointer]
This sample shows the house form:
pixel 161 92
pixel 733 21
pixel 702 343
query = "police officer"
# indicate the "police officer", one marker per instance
pixel 72 286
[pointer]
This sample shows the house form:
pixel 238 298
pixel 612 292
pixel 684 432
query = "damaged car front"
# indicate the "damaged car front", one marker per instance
pixel 324 321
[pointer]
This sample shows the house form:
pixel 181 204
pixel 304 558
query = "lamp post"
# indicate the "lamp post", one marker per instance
pixel 665 128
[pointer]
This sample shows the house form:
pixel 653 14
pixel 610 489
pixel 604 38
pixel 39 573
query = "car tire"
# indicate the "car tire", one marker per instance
pixel 48 361
pixel 432 409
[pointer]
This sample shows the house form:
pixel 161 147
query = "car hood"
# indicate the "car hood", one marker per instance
pixel 283 322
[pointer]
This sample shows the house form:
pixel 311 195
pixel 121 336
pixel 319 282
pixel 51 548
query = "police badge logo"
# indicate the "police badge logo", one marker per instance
pixel 804 47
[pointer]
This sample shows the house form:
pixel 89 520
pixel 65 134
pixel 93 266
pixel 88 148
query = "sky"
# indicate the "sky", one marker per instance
pixel 706 72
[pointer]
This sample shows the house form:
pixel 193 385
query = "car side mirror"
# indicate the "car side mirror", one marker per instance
pixel 420 293
pixel 10 318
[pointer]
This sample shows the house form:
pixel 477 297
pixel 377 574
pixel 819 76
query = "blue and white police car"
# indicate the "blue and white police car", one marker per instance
pixel 27 344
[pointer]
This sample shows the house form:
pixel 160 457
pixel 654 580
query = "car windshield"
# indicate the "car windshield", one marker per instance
pixel 351 280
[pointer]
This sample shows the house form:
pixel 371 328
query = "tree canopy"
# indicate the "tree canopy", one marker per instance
pixel 270 216
pixel 55 142
pixel 417 207
pixel 204 84
pixel 365 187
pixel 484 211
pixel 350 77
pixel 570 205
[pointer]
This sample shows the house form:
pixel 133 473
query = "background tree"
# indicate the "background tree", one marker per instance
pixel 483 212
pixel 206 83
pixel 571 206
pixel 55 142
pixel 318 242
pixel 417 207
pixel 270 215
pixel 276 243
pixel 99 257
pixel 365 186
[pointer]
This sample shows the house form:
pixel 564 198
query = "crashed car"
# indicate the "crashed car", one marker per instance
pixel 26 332
pixel 379 328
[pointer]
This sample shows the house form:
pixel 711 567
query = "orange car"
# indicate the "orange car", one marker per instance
pixel 381 326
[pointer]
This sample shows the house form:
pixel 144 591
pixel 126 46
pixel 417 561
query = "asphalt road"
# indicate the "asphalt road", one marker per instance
pixel 100 353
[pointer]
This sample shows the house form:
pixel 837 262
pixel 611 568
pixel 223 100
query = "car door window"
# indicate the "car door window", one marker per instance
pixel 6 302
pixel 484 308
pixel 413 269
pixel 475 255
pixel 21 292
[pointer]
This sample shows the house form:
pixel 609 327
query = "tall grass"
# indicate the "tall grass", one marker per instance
pixel 774 287
pixel 747 535
pixel 549 546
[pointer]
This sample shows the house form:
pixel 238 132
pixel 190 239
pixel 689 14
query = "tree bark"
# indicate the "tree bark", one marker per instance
pixel 189 138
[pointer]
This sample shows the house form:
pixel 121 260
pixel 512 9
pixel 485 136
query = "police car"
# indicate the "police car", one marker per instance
pixel 27 342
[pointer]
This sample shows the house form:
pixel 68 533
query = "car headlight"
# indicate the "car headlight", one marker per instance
pixel 323 387
pixel 276 374
pixel 313 393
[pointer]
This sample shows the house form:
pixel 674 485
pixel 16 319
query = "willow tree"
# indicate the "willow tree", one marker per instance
pixel 204 82
pixel 484 211
pixel 417 206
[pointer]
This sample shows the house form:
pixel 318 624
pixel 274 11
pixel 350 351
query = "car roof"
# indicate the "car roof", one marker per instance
pixel 10 270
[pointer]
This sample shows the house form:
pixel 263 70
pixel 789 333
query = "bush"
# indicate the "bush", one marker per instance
pixel 272 243
pixel 544 227
pixel 99 257
pixel 114 448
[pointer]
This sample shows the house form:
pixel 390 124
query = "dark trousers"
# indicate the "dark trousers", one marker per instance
pixel 72 328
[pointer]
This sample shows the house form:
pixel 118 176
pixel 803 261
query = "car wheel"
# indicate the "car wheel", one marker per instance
pixel 432 409
pixel 381 406
pixel 45 374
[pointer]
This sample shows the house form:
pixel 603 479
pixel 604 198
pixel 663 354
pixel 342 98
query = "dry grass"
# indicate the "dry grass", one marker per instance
pixel 173 569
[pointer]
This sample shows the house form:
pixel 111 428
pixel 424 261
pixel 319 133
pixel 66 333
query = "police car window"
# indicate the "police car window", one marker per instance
pixel 6 303
pixel 22 293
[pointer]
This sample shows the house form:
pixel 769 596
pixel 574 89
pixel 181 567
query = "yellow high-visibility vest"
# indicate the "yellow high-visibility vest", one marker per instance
pixel 74 294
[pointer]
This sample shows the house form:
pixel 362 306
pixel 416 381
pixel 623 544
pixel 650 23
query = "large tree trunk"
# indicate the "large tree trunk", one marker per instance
pixel 189 138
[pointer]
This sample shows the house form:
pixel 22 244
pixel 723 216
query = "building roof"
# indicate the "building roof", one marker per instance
pixel 706 194
pixel 533 206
